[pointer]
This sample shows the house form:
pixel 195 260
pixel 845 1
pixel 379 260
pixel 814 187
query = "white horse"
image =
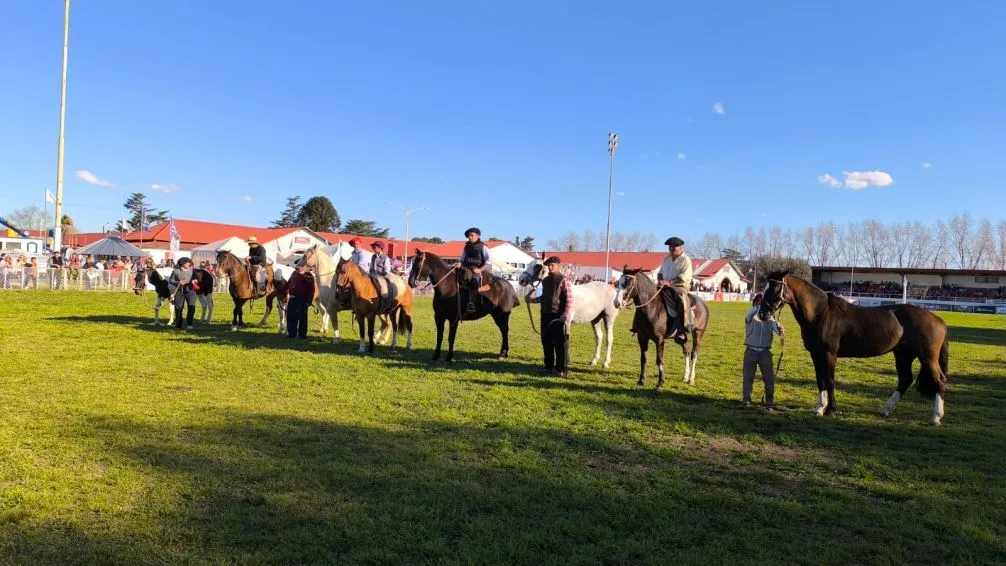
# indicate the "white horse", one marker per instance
pixel 593 302
pixel 324 267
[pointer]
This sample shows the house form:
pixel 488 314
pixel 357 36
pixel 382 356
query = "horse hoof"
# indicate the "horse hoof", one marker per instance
pixel 640 383
pixel 886 414
pixel 234 329
pixel 935 421
pixel 593 362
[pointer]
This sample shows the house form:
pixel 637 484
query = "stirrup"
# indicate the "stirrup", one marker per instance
pixel 471 307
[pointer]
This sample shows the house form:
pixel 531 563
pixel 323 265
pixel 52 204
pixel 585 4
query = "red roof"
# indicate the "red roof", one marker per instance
pixel 82 239
pixel 197 232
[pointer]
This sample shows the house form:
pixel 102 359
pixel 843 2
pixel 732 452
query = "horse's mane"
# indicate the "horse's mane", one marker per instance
pixel 643 283
pixel 430 256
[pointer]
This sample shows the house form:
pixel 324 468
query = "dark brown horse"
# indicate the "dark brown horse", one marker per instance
pixel 449 297
pixel 243 289
pixel 833 328
pixel 651 323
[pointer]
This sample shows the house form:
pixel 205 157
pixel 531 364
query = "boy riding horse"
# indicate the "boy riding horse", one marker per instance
pixel 256 258
pixel 475 257
pixel 380 269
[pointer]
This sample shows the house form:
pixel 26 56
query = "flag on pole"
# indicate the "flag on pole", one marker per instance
pixel 49 197
pixel 176 240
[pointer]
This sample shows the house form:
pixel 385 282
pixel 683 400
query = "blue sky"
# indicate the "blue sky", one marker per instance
pixel 497 114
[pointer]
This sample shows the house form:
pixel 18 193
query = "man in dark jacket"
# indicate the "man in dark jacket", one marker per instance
pixel 556 315
pixel 301 294
pixel 180 284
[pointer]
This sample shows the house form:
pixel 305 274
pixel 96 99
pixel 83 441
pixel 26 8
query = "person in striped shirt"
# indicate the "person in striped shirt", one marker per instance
pixel 556 315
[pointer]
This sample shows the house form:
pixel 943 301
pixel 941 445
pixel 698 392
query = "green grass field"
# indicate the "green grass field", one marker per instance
pixel 125 443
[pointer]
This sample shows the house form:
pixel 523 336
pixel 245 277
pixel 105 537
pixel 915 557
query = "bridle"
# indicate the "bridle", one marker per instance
pixel 783 300
pixel 419 271
pixel 632 287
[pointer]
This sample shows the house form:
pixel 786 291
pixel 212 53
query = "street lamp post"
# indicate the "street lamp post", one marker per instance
pixel 408 212
pixel 57 232
pixel 612 144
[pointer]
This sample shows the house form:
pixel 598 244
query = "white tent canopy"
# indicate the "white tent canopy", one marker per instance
pixel 236 246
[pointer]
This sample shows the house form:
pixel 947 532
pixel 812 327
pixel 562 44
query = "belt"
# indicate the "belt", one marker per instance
pixel 757 349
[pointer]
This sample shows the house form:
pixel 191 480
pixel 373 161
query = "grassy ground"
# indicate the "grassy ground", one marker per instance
pixel 124 443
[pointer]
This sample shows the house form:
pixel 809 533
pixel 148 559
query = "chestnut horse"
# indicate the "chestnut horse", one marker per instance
pixel 330 297
pixel 498 302
pixel 243 289
pixel 650 322
pixel 367 303
pixel 833 328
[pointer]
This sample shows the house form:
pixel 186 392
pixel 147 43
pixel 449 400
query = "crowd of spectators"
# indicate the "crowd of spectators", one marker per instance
pixel 935 292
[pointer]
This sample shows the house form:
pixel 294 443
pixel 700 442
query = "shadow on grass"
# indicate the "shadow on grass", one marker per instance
pixel 979 336
pixel 252 488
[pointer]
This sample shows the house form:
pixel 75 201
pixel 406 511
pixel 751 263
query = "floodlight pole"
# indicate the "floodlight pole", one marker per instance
pixel 612 144
pixel 408 212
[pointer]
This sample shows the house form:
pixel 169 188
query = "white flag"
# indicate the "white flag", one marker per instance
pixel 49 197
pixel 176 239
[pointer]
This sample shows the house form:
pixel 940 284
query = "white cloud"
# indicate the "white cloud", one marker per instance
pixel 718 108
pixel 861 179
pixel 88 177
pixel 857 180
pixel 827 179
pixel 682 156
pixel 927 165
pixel 247 198
pixel 166 189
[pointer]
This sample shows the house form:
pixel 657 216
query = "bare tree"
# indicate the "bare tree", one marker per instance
pixel 592 241
pixel 570 242
pixel 775 242
pixel 708 247
pixel 735 243
pixel 899 240
pixel 618 242
pixel 941 247
pixel 983 246
pixel 919 245
pixel 647 242
pixel 875 243
pixel 789 244
pixel 849 251
pixel 761 242
pixel 553 245
pixel 960 240
pixel 827 240
pixel 631 242
pixel 30 218
pixel 807 247
pixel 1000 262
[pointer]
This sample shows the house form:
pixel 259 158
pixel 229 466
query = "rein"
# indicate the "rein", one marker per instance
pixel 648 301
pixel 527 304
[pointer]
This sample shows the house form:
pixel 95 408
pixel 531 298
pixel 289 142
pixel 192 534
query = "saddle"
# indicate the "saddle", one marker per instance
pixel 389 287
pixel 260 276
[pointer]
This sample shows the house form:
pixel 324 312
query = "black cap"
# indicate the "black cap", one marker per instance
pixel 553 259
pixel 183 261
pixel 473 229
pixel 674 241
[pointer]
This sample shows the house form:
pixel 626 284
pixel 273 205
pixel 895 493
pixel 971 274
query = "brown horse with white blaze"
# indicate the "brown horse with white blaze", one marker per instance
pixel 833 328
pixel 368 303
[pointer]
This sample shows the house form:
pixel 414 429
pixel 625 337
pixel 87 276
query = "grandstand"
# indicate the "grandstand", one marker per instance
pixel 977 290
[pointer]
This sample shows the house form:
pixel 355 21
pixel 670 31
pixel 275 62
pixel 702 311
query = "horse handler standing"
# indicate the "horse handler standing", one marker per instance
pixel 556 314
pixel 758 339
pixel 301 294
pixel 182 287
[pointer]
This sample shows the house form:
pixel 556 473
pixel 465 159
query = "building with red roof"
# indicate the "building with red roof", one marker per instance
pixel 717 274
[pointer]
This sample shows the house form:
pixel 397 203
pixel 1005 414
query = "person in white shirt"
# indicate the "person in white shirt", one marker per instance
pixel 360 256
pixel 675 280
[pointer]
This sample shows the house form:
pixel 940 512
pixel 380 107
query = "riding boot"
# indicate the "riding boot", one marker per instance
pixel 178 318
pixel 190 317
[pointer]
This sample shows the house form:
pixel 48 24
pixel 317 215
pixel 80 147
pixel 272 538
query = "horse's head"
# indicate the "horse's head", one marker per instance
pixel 310 258
pixel 534 271
pixel 419 268
pixel 777 293
pixel 343 272
pixel 627 289
pixel 224 258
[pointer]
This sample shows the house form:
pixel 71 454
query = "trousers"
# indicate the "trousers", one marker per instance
pixel 185 296
pixel 753 360
pixel 296 317
pixel 677 295
pixel 554 341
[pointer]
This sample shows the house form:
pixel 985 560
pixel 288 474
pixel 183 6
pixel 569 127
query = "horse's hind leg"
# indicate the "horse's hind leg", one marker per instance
pixel 903 362
pixel 694 357
pixel 688 361
pixel 503 323
pixel 660 365
pixel 930 370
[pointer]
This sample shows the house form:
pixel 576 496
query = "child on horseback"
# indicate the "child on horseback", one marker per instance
pixel 475 257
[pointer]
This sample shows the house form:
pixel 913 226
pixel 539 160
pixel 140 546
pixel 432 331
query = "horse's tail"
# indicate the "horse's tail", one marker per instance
pixel 930 382
pixel 404 321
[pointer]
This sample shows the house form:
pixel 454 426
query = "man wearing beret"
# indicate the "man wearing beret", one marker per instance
pixel 556 314
pixel 675 280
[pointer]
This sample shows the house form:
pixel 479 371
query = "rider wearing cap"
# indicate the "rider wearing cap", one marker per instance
pixel 359 256
pixel 675 280
pixel 256 258
pixel 181 286
pixel 475 257
pixel 380 264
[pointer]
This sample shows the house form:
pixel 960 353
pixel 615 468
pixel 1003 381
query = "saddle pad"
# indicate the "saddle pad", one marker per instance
pixel 388 290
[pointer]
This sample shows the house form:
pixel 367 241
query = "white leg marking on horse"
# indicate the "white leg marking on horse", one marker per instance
pixel 891 403
pixel 937 419
pixel 687 365
pixel 822 403
pixel 691 370
pixel 609 327
pixel 408 345
pixel 597 344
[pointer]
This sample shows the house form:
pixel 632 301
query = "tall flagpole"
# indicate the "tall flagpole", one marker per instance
pixel 58 230
pixel 612 144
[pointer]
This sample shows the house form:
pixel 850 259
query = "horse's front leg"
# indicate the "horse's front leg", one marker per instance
pixel 439 321
pixel 268 311
pixel 394 328
pixel 644 344
pixel 451 334
pixel 824 370
pixel 371 322
pixel 503 322
pixel 688 361
pixel 596 326
pixel 694 358
pixel 362 323
pixel 609 333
